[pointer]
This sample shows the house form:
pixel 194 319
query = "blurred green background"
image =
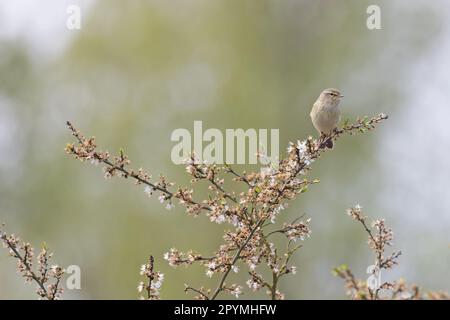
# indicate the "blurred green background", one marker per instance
pixel 137 70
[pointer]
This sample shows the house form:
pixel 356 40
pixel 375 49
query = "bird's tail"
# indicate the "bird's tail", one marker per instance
pixel 329 144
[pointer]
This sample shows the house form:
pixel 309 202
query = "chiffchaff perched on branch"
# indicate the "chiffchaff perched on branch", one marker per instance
pixel 325 113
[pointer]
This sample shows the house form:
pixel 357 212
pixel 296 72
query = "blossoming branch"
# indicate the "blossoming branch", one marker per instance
pixel 47 278
pixel 153 281
pixel 379 238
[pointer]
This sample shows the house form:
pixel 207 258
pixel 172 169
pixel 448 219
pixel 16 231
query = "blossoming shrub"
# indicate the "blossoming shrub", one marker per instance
pixel 253 214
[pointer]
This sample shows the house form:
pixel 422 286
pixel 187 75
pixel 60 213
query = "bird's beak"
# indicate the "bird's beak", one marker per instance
pixel 341 96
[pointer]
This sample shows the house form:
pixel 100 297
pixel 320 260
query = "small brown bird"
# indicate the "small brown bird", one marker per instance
pixel 325 113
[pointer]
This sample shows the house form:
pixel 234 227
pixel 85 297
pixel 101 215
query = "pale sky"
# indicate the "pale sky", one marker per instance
pixel 41 24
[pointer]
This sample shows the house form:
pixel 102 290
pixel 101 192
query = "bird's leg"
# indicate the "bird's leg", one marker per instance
pixel 321 138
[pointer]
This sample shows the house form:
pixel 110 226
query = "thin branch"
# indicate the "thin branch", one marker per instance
pixel 229 169
pixel 27 266
pixel 187 288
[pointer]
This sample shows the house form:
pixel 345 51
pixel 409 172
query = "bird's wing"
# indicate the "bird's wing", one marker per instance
pixel 313 109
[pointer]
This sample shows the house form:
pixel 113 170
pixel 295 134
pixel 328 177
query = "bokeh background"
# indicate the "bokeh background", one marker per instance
pixel 137 70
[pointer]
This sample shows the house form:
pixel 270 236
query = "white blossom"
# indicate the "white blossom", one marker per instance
pixel 148 190
pixel 237 291
pixel 293 269
pixel 140 287
pixel 143 269
pixel 254 285
pixel 169 206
